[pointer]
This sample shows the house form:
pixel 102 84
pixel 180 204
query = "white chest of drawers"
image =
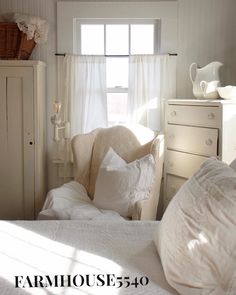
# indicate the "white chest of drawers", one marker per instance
pixel 196 130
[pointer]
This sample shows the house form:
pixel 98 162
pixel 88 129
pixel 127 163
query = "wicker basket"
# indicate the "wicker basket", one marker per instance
pixel 14 43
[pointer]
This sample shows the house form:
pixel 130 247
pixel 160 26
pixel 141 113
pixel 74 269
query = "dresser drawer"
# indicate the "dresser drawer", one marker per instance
pixel 173 184
pixel 195 116
pixel 182 164
pixel 195 140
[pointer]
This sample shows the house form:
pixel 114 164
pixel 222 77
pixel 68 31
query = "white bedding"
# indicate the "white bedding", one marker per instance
pixel 71 202
pixel 71 247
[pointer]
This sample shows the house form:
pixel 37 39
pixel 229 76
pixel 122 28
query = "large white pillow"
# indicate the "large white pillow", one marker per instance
pixel 233 165
pixel 196 239
pixel 119 185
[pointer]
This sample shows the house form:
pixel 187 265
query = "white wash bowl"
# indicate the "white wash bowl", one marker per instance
pixel 227 92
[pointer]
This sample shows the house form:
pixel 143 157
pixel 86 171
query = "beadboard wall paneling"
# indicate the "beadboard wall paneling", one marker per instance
pixel 45 52
pixel 207 32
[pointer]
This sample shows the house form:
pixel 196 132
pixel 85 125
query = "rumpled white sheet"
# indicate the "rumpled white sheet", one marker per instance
pixel 70 201
pixel 33 26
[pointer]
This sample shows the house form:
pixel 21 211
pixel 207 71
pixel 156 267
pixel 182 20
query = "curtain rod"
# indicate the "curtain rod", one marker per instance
pixel 63 54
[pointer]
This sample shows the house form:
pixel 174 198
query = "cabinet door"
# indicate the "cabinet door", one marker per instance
pixel 16 143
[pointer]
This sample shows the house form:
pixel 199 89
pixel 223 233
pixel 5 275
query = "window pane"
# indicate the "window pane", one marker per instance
pixel 142 39
pixel 92 39
pixel 117 39
pixel 117 72
pixel 117 108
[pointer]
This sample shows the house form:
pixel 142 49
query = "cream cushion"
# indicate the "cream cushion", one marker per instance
pixel 196 239
pixel 120 185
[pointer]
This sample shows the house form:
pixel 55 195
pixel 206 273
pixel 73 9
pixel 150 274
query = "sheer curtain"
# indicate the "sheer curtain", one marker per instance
pixel 85 104
pixel 152 80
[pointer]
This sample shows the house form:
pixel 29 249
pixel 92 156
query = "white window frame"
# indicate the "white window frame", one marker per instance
pixel 80 21
pixel 78 40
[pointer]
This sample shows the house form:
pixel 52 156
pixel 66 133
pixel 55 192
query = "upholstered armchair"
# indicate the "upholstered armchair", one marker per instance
pixel 90 149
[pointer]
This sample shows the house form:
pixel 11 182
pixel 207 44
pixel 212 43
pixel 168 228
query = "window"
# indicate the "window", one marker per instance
pixel 116 39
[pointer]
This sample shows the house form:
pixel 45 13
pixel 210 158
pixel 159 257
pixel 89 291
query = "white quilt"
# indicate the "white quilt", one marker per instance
pixel 71 249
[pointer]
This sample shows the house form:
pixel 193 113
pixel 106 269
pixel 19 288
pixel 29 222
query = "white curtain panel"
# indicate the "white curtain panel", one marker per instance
pixel 152 80
pixel 85 104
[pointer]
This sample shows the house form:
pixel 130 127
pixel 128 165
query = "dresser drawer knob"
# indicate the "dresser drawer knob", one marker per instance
pixel 211 116
pixel 171 136
pixel 209 141
pixel 173 113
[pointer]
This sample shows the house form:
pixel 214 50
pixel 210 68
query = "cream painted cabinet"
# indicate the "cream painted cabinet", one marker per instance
pixel 196 130
pixel 22 139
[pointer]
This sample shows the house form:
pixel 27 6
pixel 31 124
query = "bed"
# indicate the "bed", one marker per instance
pixel 195 240
pixel 119 254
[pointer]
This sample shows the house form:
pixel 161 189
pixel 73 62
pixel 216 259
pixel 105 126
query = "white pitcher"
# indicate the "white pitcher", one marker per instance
pixel 207 74
pixel 210 89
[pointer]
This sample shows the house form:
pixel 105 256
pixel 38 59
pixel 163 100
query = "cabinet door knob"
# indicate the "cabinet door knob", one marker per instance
pixel 173 113
pixel 209 141
pixel 211 116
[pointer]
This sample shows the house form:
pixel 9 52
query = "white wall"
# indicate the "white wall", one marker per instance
pixel 68 11
pixel 206 32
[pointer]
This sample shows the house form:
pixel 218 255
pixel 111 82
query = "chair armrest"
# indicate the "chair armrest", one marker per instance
pixel 137 211
pixel 142 210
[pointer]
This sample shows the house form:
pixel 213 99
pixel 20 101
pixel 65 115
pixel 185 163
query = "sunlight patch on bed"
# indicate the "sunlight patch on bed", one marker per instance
pixel 26 253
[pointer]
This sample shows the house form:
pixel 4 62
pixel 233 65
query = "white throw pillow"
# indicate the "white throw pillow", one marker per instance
pixel 196 239
pixel 120 185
